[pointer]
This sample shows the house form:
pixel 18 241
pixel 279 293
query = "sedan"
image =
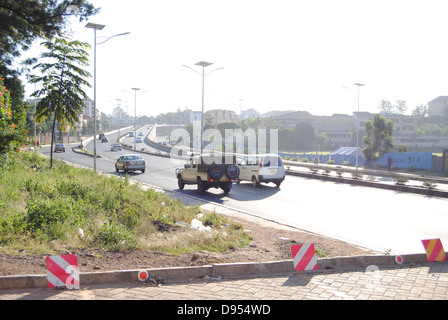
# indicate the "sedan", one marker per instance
pixel 130 162
pixel 104 139
pixel 139 140
pixel 115 146
pixel 59 147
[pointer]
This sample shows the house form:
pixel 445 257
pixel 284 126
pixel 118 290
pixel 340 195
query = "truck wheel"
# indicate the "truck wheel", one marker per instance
pixel 201 187
pixel 226 189
pixel 180 183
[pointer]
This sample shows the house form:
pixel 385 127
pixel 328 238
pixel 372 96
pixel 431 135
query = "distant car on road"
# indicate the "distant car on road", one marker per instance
pixel 131 134
pixel 140 134
pixel 115 146
pixel 104 139
pixel 101 135
pixel 130 162
pixel 59 147
pixel 138 140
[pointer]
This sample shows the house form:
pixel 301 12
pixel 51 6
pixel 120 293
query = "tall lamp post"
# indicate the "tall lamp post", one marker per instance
pixel 357 126
pixel 203 64
pixel 135 119
pixel 95 27
pixel 118 102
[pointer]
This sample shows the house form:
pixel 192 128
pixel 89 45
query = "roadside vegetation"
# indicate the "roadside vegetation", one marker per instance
pixel 45 210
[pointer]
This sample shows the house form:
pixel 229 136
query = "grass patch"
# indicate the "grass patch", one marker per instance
pixel 43 210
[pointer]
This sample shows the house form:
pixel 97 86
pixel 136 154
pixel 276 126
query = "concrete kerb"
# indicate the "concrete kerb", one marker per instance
pixel 402 188
pixel 218 271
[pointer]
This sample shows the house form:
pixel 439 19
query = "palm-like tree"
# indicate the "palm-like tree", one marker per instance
pixel 63 78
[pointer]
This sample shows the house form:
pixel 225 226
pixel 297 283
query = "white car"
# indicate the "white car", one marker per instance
pixel 262 168
pixel 59 147
pixel 138 140
pixel 115 146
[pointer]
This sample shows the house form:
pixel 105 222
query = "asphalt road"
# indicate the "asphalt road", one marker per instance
pixel 378 219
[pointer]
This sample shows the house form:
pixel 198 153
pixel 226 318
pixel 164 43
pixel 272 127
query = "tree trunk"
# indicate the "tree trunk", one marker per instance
pixel 52 141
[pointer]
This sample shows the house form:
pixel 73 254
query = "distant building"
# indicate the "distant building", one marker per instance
pixel 221 116
pixel 88 109
pixel 276 113
pixel 422 141
pixel 437 107
pixel 338 128
pixel 341 129
pixel 249 113
pixel 403 124
pixel 195 116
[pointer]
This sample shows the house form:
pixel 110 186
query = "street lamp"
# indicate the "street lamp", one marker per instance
pixel 135 119
pixel 117 35
pixel 118 102
pixel 95 27
pixel 357 127
pixel 203 64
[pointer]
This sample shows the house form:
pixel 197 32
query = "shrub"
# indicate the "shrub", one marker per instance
pixel 399 180
pixel 49 217
pixel 113 237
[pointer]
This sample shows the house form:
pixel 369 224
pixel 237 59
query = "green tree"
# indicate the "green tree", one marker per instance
pixel 402 148
pixel 23 21
pixel 304 135
pixel 420 111
pixel 399 106
pixel 12 126
pixel 62 83
pixel 378 140
pixel 385 105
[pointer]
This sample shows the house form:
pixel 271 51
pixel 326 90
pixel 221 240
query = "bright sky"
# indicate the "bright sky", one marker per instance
pixel 275 55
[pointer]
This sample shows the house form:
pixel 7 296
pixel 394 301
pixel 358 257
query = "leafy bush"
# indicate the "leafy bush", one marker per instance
pixel 49 218
pixel 114 237
pixel 399 179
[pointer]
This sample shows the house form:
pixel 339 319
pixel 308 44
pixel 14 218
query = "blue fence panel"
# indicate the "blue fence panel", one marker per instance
pixel 418 160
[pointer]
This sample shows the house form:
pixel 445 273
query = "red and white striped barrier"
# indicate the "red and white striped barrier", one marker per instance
pixel 304 257
pixel 62 271
pixel 434 250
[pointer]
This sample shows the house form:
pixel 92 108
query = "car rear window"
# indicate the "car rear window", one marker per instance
pixel 272 161
pixel 133 158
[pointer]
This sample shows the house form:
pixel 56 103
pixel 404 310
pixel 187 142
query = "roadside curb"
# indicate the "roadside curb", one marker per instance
pixel 219 271
pixel 365 183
